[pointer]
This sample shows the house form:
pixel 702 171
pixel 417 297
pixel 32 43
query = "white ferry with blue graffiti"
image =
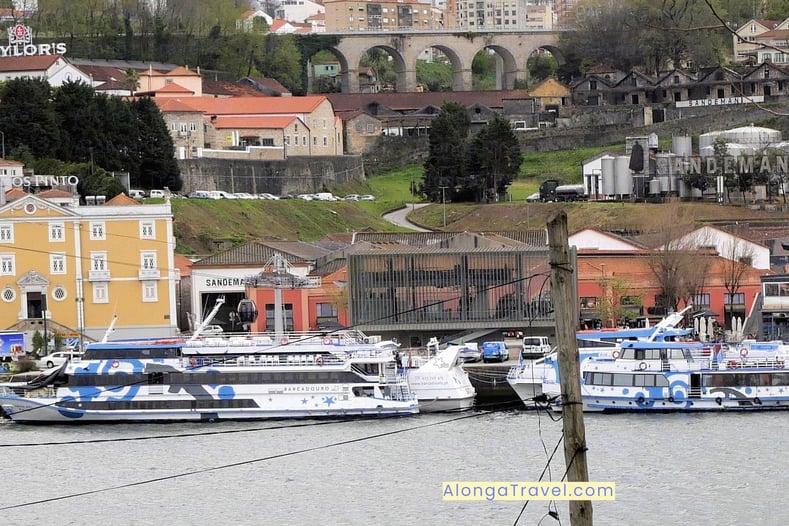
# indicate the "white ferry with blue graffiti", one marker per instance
pixel 643 376
pixel 217 378
pixel 527 378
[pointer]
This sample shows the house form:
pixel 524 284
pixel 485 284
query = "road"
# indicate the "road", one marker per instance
pixel 400 217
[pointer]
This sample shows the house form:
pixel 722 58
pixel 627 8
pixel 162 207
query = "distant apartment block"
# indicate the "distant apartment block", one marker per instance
pixel 384 15
pixel 502 14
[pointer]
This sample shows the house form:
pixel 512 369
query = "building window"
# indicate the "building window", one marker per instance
pixel 304 140
pixel 776 289
pixel 193 126
pixel 6 233
pixel 7 264
pixel 325 141
pixel 592 84
pixel 59 293
pixel 101 292
pixel 147 230
pixel 98 261
pixel 287 139
pixel 57 232
pixel 148 260
pixel 734 299
pixel 9 295
pixel 267 141
pixel 315 140
pixel 57 263
pixel 97 232
pixel 701 301
pixel 149 291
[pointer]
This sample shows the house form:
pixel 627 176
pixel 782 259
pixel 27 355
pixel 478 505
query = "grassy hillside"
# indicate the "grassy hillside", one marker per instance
pixel 200 221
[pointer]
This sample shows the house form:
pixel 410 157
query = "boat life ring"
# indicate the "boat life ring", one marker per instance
pixel 671 399
pixel 615 354
pixel 319 361
pixel 327 340
pixel 192 362
pixel 757 401
pixel 743 352
pixel 115 364
pixel 640 400
pixel 719 400
pixel 643 366
pixel 732 364
pixel 284 340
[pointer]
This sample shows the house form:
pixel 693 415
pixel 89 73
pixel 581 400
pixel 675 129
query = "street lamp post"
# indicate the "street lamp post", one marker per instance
pixel 44 314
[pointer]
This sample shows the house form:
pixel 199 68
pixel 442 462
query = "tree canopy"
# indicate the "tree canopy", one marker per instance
pixel 74 125
pixel 464 167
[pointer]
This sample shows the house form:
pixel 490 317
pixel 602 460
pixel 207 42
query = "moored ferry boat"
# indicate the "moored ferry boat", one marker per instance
pixel 527 378
pixel 681 376
pixel 217 378
pixel 440 383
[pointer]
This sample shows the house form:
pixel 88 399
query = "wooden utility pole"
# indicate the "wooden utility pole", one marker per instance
pixel 566 311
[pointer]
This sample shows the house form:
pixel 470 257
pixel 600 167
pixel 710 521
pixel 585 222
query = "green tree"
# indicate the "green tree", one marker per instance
pixel 27 116
pixel 157 165
pixel 483 71
pixel 282 61
pixel 434 76
pixel 445 163
pixel 74 104
pixel 494 159
pixel 542 67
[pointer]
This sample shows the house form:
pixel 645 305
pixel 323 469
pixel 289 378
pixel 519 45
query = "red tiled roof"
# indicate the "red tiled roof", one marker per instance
pixel 254 105
pixel 173 104
pixel 53 193
pixel 266 122
pixel 184 264
pixel 182 71
pixel 28 63
pixel 14 194
pixel 224 88
pixel 122 200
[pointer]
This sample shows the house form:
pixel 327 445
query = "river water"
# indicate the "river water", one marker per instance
pixel 699 469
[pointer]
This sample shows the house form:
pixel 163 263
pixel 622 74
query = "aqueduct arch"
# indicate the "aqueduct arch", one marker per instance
pixel 512 51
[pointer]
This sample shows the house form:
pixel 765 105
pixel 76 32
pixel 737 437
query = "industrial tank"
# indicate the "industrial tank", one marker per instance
pixel 623 179
pixel 755 137
pixel 733 149
pixel 707 139
pixel 682 145
pixel 607 175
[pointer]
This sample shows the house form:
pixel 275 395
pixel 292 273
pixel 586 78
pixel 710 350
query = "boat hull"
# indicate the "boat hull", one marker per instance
pixel 49 410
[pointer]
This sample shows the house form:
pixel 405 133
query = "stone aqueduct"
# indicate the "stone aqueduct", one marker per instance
pixel 512 49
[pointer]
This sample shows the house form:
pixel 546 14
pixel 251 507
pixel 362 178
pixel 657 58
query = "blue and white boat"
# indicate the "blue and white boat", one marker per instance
pixel 643 376
pixel 218 378
pixel 528 377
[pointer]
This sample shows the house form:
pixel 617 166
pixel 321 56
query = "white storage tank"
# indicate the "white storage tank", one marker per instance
pixel 654 186
pixel 623 180
pixel 755 137
pixel 607 174
pixel 707 139
pixel 682 145
pixel 732 149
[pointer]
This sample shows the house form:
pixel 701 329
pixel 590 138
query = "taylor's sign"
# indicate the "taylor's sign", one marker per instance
pixel 699 103
pixel 20 44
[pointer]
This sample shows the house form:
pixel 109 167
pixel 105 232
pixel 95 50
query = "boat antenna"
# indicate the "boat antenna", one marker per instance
pixel 109 330
pixel 220 300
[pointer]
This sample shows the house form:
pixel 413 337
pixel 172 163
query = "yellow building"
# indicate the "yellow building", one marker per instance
pixel 85 265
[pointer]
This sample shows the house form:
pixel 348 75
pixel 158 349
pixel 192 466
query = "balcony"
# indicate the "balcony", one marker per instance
pixel 145 274
pixel 99 275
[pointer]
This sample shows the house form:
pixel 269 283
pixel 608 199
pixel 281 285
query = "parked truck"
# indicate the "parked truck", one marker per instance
pixel 548 190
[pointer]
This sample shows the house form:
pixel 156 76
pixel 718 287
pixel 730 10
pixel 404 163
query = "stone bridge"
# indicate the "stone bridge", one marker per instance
pixel 512 49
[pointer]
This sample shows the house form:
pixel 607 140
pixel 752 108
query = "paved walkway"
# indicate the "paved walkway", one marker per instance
pixel 400 217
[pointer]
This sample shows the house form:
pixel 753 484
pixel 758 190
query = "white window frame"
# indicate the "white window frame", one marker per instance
pixel 98 231
pixel 98 261
pixel 150 292
pixel 148 260
pixel 7 265
pixel 147 229
pixel 7 233
pixel 57 233
pixel 57 263
pixel 101 292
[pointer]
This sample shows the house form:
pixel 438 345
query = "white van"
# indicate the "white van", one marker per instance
pixel 157 193
pixel 535 346
pixel 136 194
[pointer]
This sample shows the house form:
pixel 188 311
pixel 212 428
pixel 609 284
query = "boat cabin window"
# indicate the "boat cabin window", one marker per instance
pixel 134 352
pixel 626 379
pixel 726 379
pixel 655 354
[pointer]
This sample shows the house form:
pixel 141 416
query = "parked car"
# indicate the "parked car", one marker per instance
pixel 56 359
pixel 305 197
pixel 324 196
pixel 352 197
pixel 136 194
pixel 367 197
pixel 157 193
pixel 271 197
pixel 535 346
pixel 470 353
pixel 495 352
